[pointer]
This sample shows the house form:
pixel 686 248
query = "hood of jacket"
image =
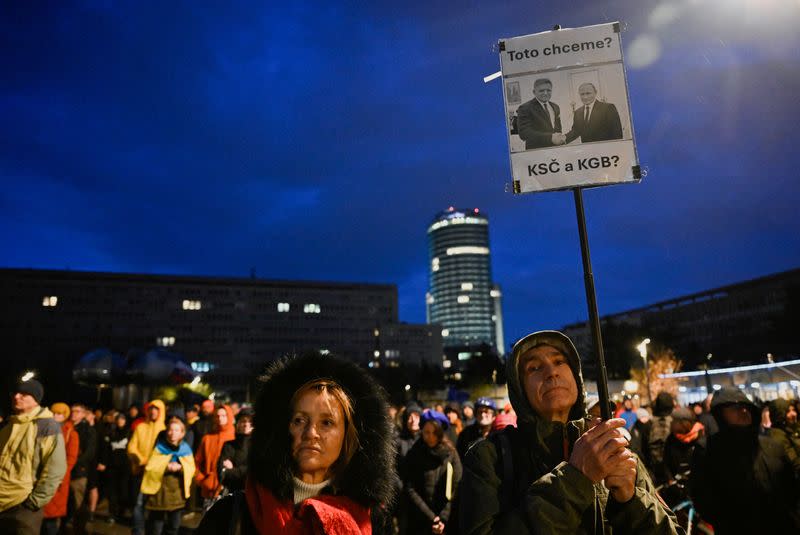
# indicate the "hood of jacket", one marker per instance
pixel 729 396
pixel 516 393
pixel 664 404
pixel 549 436
pixel 777 412
pixel 368 478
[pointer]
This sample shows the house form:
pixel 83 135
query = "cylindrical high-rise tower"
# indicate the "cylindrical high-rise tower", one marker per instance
pixel 462 297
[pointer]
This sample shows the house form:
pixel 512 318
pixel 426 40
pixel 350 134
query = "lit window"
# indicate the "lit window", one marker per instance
pixel 201 367
pixel 189 304
pixel 165 341
pixel 49 301
pixel 376 332
pixel 463 299
pixel 429 298
pixel 464 355
pixel 495 293
pixel 467 249
pixel 312 308
pixel 392 353
pixel 283 307
pixel 445 332
pixel 435 264
pixel 466 286
pixel 377 353
pixel 447 364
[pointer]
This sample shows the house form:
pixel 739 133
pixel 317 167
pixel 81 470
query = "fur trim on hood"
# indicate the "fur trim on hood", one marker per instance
pixel 369 475
pixel 516 394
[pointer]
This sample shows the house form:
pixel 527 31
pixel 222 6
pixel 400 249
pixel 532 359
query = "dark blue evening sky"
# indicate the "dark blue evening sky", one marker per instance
pixel 318 141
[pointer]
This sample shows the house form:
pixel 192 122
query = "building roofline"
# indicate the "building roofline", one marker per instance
pixel 193 279
pixel 697 296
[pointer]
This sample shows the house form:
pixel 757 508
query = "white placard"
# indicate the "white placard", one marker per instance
pixel 567 109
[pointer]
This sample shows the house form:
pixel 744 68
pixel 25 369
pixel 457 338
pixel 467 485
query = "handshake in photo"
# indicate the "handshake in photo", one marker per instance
pixel 558 138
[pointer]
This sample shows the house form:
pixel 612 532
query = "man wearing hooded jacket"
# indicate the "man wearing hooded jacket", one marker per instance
pixel 556 472
pixel 742 481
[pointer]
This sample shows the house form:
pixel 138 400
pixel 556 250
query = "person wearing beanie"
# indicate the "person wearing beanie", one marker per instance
pixel 431 475
pixel 485 413
pixel 741 482
pixel 56 509
pixel 557 471
pixel 32 461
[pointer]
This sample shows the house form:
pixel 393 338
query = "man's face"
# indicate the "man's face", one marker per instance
pixel 587 93
pixel 153 413
pixel 452 416
pixel 548 382
pixel 244 426
pixel 737 414
pixel 412 422
pixel 468 412
pixel 485 416
pixel 543 92
pixel 77 414
pixel 628 404
pixel 791 415
pixel 24 403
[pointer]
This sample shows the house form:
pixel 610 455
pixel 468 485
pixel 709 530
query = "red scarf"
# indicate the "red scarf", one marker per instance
pixel 320 515
pixel 692 435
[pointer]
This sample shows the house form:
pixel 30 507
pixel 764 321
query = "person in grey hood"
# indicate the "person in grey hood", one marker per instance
pixel 742 481
pixel 558 471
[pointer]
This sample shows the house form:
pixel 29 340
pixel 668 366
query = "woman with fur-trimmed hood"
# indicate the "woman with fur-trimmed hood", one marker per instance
pixel 321 456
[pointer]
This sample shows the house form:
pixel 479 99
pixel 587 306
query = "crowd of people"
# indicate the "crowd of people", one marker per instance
pixel 321 451
pixel 152 464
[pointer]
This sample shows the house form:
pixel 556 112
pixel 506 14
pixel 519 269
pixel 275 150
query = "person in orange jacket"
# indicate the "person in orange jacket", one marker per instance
pixel 56 509
pixel 207 456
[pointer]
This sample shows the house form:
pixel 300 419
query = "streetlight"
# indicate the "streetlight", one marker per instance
pixel 708 377
pixel 643 353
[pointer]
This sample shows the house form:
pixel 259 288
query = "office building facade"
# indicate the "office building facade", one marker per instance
pixel 738 323
pixel 227 327
pixel 462 297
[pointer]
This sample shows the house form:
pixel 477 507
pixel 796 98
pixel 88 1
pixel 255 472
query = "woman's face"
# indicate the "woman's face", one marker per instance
pixel 429 435
pixel 175 433
pixel 222 417
pixel 317 430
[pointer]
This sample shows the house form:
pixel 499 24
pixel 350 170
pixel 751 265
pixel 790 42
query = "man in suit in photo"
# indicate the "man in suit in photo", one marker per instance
pixel 595 120
pixel 539 120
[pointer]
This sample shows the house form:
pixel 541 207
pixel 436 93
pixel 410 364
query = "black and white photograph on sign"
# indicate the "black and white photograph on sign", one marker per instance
pixel 569 107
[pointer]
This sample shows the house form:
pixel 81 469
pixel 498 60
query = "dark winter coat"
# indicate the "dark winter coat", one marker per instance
pixel 236 451
pixel 87 457
pixel 368 477
pixel 543 493
pixel 467 438
pixel 114 449
pixel 742 482
pixel 785 434
pixel 425 483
